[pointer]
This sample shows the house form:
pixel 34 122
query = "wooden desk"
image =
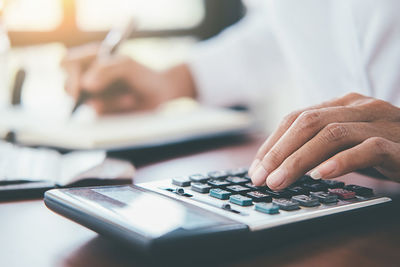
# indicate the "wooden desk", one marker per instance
pixel 32 235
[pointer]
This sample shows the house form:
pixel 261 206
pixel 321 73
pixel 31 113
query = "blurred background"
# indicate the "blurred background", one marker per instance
pixel 34 35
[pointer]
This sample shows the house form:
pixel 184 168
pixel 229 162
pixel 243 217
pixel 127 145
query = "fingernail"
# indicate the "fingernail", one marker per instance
pixel 260 174
pixel 276 178
pixel 324 170
pixel 315 174
pixel 253 166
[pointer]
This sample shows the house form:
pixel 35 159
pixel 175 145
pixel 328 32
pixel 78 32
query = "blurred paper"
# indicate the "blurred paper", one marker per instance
pixel 19 162
pixel 177 121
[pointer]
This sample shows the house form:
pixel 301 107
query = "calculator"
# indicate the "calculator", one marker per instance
pixel 216 211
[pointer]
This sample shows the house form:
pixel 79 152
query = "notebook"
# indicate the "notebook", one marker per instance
pixel 177 121
pixel 42 164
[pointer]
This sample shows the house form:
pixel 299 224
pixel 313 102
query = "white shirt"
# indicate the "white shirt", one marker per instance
pixel 331 47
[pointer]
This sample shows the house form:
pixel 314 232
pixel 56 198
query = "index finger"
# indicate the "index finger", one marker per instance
pixel 287 122
pixel 82 56
pixel 335 137
pixel 100 75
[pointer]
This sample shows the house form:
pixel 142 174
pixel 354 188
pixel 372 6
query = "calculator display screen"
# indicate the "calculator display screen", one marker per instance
pixel 147 213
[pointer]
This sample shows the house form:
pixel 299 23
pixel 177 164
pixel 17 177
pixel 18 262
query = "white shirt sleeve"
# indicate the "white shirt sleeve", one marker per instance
pixel 231 68
pixel 338 46
pixel 329 48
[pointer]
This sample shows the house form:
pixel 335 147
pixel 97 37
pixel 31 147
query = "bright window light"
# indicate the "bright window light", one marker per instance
pixel 32 15
pixel 150 14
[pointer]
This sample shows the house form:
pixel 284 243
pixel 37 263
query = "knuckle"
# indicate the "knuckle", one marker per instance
pixel 334 132
pixel 261 151
pixel 99 70
pixel 290 118
pixel 374 104
pixel 125 61
pixel 381 145
pixel 396 113
pixel 119 61
pixel 379 109
pixel 295 162
pixel 309 119
pixel 379 103
pixel 353 95
pixel 274 156
pixel 384 109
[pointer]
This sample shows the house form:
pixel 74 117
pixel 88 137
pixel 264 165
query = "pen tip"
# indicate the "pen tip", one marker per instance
pixel 74 109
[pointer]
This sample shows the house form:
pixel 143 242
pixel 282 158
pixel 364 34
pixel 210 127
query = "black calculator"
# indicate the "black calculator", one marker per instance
pixel 217 211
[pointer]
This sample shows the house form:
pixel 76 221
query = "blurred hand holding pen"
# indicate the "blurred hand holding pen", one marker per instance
pixel 107 48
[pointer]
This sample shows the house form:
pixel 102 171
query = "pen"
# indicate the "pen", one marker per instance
pixel 17 87
pixel 107 48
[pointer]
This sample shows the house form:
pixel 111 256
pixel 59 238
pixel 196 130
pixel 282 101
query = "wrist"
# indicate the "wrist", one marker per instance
pixel 177 82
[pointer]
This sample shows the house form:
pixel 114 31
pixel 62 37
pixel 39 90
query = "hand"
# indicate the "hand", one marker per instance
pixel 337 137
pixel 145 88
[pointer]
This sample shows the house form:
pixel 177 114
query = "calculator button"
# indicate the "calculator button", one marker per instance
pixel 286 204
pixel 305 179
pixel 247 177
pixel 238 189
pixel 201 188
pixel 306 201
pixel 315 187
pixel 226 206
pixel 198 178
pixel 360 190
pixel 238 172
pixel 218 174
pixel 333 183
pixel 220 193
pixel 298 190
pixel 259 197
pixel 324 197
pixel 342 193
pixel 240 200
pixel 253 187
pixel 279 194
pixel 267 208
pixel 218 183
pixel 181 181
pixel 180 191
pixel 238 180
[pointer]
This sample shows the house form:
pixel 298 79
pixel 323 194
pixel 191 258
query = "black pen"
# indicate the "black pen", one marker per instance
pixel 17 87
pixel 107 48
